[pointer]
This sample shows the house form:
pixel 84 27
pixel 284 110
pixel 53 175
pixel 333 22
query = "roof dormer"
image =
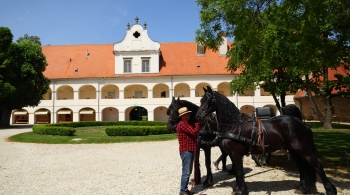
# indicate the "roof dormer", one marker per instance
pixel 135 47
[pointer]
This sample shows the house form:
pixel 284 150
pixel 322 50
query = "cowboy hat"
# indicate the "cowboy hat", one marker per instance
pixel 183 111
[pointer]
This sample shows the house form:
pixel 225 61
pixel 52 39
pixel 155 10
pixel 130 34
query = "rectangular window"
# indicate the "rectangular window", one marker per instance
pixel 200 50
pixel 138 94
pixel 180 93
pixel 127 65
pixel 145 65
pixel 111 95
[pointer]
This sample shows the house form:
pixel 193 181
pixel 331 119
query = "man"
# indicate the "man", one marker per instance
pixel 187 134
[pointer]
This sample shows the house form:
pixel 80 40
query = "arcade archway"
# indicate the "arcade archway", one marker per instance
pixel 138 113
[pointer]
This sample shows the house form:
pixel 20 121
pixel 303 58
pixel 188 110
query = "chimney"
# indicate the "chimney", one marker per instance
pixel 223 46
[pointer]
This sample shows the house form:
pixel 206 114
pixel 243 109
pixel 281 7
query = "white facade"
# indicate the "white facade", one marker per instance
pixel 137 46
pixel 120 106
pixel 134 86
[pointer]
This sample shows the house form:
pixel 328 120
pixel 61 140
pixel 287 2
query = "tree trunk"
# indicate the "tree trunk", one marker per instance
pixel 327 124
pixel 276 101
pixel 283 100
pixel 314 106
pixel 5 116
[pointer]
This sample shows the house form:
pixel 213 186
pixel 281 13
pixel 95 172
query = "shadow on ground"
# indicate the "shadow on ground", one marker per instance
pixel 339 177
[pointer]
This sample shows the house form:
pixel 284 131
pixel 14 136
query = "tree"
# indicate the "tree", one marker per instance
pixel 34 39
pixel 288 44
pixel 22 82
pixel 342 84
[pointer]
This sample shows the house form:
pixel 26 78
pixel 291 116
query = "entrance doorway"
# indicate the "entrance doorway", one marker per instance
pixel 139 113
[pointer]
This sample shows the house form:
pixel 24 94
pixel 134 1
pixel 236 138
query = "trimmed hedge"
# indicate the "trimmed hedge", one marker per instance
pixel 116 128
pixel 111 123
pixel 136 130
pixel 50 130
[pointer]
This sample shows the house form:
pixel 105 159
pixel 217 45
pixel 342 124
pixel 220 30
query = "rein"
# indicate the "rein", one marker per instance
pixel 237 123
pixel 220 135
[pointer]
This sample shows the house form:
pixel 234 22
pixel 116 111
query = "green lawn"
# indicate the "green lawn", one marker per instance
pixel 333 146
pixel 92 135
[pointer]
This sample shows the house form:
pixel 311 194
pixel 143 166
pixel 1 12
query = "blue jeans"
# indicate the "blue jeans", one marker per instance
pixel 187 165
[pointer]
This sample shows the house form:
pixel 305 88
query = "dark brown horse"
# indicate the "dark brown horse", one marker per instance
pixel 208 136
pixel 279 132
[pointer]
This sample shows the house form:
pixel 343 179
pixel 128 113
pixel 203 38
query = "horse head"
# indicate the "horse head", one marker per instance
pixel 173 114
pixel 208 104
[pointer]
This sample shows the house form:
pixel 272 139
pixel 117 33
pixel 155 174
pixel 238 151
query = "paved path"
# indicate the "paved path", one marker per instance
pixel 126 168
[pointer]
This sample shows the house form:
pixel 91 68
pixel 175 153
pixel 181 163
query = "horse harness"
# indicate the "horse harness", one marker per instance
pixel 257 135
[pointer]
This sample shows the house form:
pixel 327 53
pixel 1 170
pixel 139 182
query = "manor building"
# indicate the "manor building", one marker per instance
pixel 133 79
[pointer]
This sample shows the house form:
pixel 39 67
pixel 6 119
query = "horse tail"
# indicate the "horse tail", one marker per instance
pixel 311 169
pixel 314 149
pixel 314 152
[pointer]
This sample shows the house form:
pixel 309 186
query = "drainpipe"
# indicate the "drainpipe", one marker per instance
pixel 98 98
pixel 53 101
pixel 171 85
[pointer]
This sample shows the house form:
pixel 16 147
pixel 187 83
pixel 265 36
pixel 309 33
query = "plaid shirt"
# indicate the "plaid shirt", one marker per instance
pixel 187 135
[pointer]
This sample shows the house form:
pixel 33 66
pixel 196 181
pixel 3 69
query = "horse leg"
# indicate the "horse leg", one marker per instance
pixel 329 187
pixel 208 182
pixel 237 164
pixel 232 171
pixel 302 188
pixel 197 172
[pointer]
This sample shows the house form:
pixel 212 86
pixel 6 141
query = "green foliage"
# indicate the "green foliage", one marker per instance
pixel 343 85
pixel 51 130
pixel 277 42
pixel 87 135
pixel 22 64
pixel 111 123
pixel 34 39
pixel 6 38
pixel 5 41
pixel 279 45
pixel 116 128
pixel 136 130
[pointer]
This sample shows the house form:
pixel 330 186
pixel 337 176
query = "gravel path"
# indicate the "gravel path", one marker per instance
pixel 128 168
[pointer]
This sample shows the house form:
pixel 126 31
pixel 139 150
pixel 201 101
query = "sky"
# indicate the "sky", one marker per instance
pixel 69 22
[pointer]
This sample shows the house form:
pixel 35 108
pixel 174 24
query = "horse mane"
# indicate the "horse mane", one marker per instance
pixel 228 112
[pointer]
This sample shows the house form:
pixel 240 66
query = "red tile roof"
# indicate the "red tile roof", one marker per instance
pixel 331 77
pixel 64 60
pixel 176 59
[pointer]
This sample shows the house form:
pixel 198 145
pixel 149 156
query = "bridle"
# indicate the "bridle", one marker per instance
pixel 207 112
pixel 170 119
pixel 212 98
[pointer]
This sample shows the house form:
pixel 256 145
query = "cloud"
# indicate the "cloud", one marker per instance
pixel 123 12
pixel 114 21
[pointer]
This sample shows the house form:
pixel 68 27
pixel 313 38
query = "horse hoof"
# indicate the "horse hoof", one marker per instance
pixel 207 185
pixel 298 192
pixel 301 190
pixel 239 193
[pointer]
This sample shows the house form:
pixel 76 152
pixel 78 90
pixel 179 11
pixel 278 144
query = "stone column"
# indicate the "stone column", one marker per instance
pixel 192 92
pixel 121 115
pixel 75 116
pixel 75 95
pixel 121 94
pixel 150 95
pixel 150 115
